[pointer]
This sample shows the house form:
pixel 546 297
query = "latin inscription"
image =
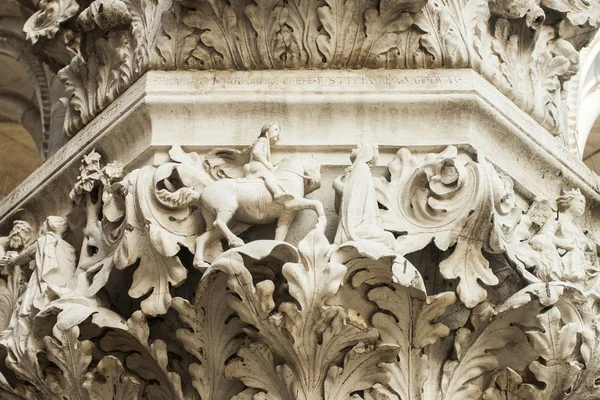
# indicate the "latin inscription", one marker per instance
pixel 390 80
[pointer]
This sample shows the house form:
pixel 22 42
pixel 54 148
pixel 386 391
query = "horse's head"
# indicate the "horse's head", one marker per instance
pixel 312 173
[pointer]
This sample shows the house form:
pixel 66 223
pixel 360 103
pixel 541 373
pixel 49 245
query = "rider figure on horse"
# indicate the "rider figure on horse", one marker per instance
pixel 260 165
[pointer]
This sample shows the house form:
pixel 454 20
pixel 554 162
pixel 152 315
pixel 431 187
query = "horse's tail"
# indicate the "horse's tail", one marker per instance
pixel 180 198
pixel 177 185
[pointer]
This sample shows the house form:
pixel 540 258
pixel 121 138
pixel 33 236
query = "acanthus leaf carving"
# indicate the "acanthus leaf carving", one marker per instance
pixel 22 348
pixel 304 23
pixel 158 267
pixel 110 381
pixel 177 40
pixel 545 73
pixel 361 370
pixel 317 333
pixel 449 27
pixel 508 385
pixel 412 329
pixel 555 344
pixel 72 358
pixel 350 44
pixel 493 333
pixel 579 12
pixel 46 22
pixel 341 20
pixel 146 357
pixel 213 337
pixel 269 19
pixel 219 24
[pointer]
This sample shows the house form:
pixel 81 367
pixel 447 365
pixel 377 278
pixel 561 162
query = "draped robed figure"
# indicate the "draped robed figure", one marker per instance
pixel 356 201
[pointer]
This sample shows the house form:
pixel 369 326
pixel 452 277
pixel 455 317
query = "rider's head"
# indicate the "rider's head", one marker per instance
pixel 271 131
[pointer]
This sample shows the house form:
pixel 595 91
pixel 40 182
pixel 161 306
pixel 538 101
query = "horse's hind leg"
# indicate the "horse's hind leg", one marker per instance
pixel 206 239
pixel 303 204
pixel 223 217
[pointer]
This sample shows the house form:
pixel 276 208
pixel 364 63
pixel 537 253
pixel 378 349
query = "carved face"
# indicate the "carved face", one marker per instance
pixel 273 133
pixel 577 206
pixel 19 236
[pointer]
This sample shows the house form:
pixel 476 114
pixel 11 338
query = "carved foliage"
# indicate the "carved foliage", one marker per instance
pixel 271 34
pixel 109 381
pixel 451 202
pixel 411 326
pixel 147 244
pixel 449 27
pixel 45 23
pixel 214 335
pixel 306 349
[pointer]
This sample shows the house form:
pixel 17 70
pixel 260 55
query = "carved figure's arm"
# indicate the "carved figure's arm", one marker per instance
pixel 338 188
pixel 258 154
pixel 25 256
pixel 338 185
pixel 549 229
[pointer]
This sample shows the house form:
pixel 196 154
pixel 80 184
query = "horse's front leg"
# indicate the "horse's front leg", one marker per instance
pixel 202 242
pixel 223 218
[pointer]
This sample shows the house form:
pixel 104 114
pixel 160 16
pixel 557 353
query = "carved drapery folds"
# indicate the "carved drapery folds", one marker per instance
pixel 405 303
pixel 527 49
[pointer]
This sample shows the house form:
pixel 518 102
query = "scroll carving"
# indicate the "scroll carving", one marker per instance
pixel 452 202
pixel 363 315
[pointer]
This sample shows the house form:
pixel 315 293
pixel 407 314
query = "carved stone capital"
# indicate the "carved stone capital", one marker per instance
pixel 527 49
pixel 304 200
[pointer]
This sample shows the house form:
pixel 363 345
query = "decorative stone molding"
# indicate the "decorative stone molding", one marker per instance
pixel 405 302
pixel 527 49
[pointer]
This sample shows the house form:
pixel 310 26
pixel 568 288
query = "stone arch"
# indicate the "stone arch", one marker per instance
pixel 26 105
pixel 25 89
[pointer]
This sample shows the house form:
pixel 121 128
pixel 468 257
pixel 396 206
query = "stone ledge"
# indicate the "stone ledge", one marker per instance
pixel 336 109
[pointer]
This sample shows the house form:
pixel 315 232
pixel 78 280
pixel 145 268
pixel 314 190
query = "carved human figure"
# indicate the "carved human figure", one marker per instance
pixel 16 249
pixel 261 166
pixel 356 201
pixel 360 220
pixel 239 188
pixel 17 241
pixel 565 250
pixel 55 261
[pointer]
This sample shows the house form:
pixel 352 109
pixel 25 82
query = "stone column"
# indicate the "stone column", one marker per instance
pixel 306 199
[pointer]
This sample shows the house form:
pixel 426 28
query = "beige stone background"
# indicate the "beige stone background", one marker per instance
pixel 18 156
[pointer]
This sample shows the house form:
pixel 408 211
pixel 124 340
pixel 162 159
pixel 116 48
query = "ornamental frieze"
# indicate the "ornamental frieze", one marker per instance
pixel 527 49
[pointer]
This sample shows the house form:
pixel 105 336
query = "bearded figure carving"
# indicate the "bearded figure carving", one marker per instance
pixel 16 249
pixel 17 241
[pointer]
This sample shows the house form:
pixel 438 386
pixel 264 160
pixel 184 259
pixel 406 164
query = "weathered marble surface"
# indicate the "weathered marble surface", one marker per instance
pixel 306 200
pixel 526 48
pixel 326 112
pixel 437 283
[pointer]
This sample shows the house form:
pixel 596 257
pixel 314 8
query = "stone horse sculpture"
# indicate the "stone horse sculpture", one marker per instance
pixel 229 205
pixel 234 204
